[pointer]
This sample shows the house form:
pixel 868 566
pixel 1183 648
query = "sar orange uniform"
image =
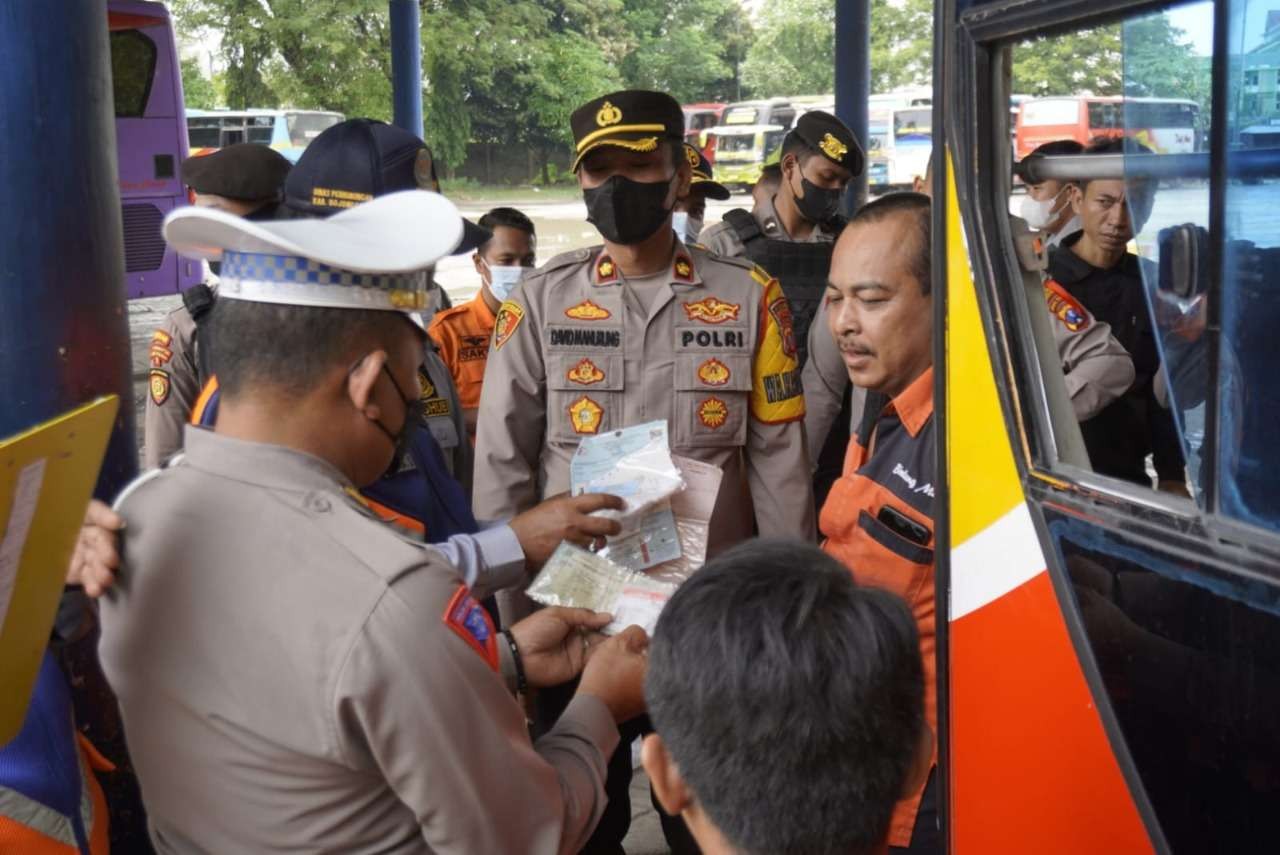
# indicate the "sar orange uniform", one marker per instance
pixel 462 334
pixel 878 521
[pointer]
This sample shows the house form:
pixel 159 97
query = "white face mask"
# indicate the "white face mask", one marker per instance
pixel 1039 212
pixel 686 227
pixel 503 279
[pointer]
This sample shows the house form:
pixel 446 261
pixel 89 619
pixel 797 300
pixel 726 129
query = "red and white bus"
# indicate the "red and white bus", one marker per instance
pixel 1165 125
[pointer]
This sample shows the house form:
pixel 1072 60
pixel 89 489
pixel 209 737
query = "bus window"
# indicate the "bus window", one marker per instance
pixel 133 66
pixel 1248 397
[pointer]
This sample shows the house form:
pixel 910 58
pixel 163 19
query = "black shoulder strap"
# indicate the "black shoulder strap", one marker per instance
pixel 744 225
pixel 199 300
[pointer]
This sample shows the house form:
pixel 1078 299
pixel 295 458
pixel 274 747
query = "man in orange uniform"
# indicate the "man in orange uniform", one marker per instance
pixel 878 518
pixel 462 333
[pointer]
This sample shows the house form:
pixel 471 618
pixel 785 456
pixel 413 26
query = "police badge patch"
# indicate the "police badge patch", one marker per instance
pixel 159 383
pixel 509 317
pixel 585 414
pixel 713 413
pixel 471 623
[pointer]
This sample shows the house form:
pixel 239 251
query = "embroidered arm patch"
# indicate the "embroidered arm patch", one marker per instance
pixel 471 623
pixel 776 395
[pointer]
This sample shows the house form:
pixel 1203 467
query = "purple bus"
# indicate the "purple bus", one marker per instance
pixel 151 142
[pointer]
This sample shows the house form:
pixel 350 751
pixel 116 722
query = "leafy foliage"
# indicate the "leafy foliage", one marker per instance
pixel 198 91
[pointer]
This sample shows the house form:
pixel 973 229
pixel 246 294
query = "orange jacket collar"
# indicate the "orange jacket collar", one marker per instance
pixel 914 404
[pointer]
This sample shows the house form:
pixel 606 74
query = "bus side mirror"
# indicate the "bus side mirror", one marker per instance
pixel 1184 260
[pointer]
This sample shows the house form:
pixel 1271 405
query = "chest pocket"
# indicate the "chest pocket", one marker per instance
pixel 877 555
pixel 584 394
pixel 712 392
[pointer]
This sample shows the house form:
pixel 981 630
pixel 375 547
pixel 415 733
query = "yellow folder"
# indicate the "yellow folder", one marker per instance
pixel 46 478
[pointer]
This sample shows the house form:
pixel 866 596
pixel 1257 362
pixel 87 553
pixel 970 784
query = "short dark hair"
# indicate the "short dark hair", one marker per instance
pixel 509 217
pixel 1058 147
pixel 1112 145
pixel 289 348
pixel 790 698
pixel 771 175
pixel 918 206
pixel 793 143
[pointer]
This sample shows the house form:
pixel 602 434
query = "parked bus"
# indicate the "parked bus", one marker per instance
pixel 754 114
pixel 287 131
pixel 910 143
pixel 1165 125
pixel 1107 652
pixel 743 151
pixel 151 142
pixel 698 119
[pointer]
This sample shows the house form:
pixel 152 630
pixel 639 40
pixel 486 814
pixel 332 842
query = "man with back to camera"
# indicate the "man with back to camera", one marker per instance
pixel 806 745
pixel 691 209
pixel 267 697
pixel 878 518
pixel 1095 267
pixel 644 328
pixel 462 333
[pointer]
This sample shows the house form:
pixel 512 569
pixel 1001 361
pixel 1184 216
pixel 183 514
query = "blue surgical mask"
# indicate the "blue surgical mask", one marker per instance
pixel 503 279
pixel 685 227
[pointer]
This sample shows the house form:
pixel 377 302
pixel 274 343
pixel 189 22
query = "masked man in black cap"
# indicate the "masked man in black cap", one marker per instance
pixel 644 328
pixel 691 209
pixel 791 235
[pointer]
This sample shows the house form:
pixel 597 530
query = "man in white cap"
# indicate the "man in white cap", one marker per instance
pixel 293 674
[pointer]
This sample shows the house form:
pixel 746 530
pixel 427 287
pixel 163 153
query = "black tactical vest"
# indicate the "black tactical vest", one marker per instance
pixel 800 268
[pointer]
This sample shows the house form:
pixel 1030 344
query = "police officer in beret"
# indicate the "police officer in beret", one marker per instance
pixel 691 209
pixel 246 179
pixel 792 235
pixel 640 328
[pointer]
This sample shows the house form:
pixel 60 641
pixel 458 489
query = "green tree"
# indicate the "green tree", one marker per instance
pixel 198 91
pixel 794 48
pixel 1084 61
pixel 689 48
pixel 1160 62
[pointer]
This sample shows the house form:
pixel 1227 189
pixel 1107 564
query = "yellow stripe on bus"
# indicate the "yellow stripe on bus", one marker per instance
pixel 983 483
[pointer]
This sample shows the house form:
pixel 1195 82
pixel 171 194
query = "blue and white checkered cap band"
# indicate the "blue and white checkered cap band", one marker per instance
pixel 299 281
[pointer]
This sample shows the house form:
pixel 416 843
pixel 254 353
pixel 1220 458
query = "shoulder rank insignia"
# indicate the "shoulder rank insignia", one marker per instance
pixel 780 309
pixel 833 148
pixel 509 317
pixel 712 311
pixel 585 415
pixel 684 269
pixel 606 270
pixel 471 623
pixel 160 348
pixel 713 413
pixel 713 372
pixel 588 311
pixel 585 373
pixel 159 382
pixel 1064 307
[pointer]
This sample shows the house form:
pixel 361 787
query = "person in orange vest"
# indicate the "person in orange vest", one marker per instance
pixel 878 519
pixel 462 333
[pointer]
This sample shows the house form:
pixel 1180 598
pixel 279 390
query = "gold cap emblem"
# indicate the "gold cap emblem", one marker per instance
pixel 692 156
pixel 833 148
pixel 608 115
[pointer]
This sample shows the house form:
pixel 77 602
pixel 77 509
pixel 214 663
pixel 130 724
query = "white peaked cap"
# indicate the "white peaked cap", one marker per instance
pixel 371 256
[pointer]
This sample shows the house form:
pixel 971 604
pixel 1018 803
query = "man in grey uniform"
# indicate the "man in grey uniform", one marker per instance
pixel 292 674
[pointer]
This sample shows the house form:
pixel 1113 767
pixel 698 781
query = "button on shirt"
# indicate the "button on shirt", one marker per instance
pixel 294 676
pixel 891 465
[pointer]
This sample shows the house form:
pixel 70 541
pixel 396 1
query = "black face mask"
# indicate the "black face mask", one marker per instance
pixel 817 204
pixel 627 211
pixel 412 419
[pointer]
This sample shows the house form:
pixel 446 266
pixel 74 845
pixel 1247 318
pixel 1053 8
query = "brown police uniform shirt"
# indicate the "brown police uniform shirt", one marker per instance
pixel 293 676
pixel 578 352
pixel 173 385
